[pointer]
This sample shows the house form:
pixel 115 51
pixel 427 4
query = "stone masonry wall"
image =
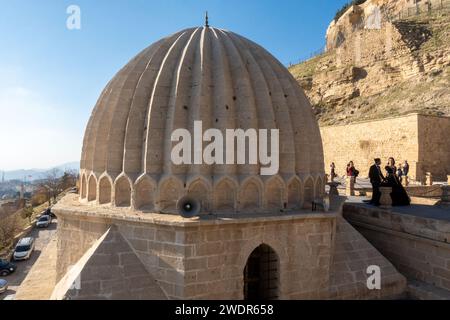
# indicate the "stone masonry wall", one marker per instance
pixel 362 142
pixel 75 236
pixel 220 253
pixel 434 146
pixel 114 272
pixel 207 260
pixel 422 140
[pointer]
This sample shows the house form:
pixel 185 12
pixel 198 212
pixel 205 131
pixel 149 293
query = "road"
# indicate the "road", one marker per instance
pixel 42 237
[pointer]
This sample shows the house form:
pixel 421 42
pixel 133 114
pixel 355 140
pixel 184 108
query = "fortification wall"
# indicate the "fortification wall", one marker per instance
pixel 362 142
pixel 422 140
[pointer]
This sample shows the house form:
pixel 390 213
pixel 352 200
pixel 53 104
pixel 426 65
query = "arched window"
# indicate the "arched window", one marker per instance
pixel 145 194
pixel 261 274
pixel 122 193
pixel 308 193
pixel 225 196
pixel 274 195
pixel 250 196
pixel 169 194
pixel 199 191
pixel 294 195
pixel 104 191
pixel 92 189
pixel 319 192
pixel 83 187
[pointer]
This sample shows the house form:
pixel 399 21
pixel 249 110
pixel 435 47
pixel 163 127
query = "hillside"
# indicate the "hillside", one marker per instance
pixel 36 174
pixel 400 67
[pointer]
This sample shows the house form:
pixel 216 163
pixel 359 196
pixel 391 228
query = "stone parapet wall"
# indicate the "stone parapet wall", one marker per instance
pixel 434 191
pixel 353 254
pixel 418 247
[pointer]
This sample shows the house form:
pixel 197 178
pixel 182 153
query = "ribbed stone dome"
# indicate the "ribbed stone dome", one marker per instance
pixel 227 82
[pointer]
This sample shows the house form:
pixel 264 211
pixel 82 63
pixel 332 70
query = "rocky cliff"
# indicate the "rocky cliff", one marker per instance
pixel 383 58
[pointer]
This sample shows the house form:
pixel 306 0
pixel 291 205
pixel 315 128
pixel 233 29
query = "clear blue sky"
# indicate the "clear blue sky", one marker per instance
pixel 51 77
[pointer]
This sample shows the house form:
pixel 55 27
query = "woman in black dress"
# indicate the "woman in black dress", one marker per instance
pixel 391 163
pixel 399 195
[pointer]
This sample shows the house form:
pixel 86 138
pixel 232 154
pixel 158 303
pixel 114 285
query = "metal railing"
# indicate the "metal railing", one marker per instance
pixel 307 57
pixel 421 8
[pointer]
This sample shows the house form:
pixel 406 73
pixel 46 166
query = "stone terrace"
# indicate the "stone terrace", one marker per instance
pixel 415 239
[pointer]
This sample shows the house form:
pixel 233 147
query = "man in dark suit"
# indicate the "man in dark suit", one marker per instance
pixel 376 178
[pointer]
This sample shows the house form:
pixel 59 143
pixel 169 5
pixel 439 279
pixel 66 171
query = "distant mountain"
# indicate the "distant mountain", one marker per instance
pixel 36 174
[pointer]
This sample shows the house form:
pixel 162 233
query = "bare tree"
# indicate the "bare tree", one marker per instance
pixel 68 180
pixel 27 213
pixel 52 184
pixel 40 196
pixel 9 227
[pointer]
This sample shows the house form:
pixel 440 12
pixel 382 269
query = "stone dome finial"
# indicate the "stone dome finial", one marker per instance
pixel 206 20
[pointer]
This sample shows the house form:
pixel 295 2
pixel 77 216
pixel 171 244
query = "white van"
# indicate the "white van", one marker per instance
pixel 24 248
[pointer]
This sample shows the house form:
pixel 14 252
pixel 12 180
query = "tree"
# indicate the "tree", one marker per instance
pixel 345 7
pixel 54 183
pixel 68 180
pixel 51 183
pixel 40 196
pixel 9 227
pixel 27 213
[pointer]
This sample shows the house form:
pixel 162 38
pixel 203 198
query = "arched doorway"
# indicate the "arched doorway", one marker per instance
pixel 261 274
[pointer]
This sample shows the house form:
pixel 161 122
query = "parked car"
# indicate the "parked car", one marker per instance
pixel 24 248
pixel 44 221
pixel 6 267
pixel 48 212
pixel 3 285
pixel 73 190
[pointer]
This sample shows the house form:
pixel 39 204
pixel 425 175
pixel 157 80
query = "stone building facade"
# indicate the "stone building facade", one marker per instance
pixel 159 256
pixel 204 259
pixel 422 140
pixel 255 236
